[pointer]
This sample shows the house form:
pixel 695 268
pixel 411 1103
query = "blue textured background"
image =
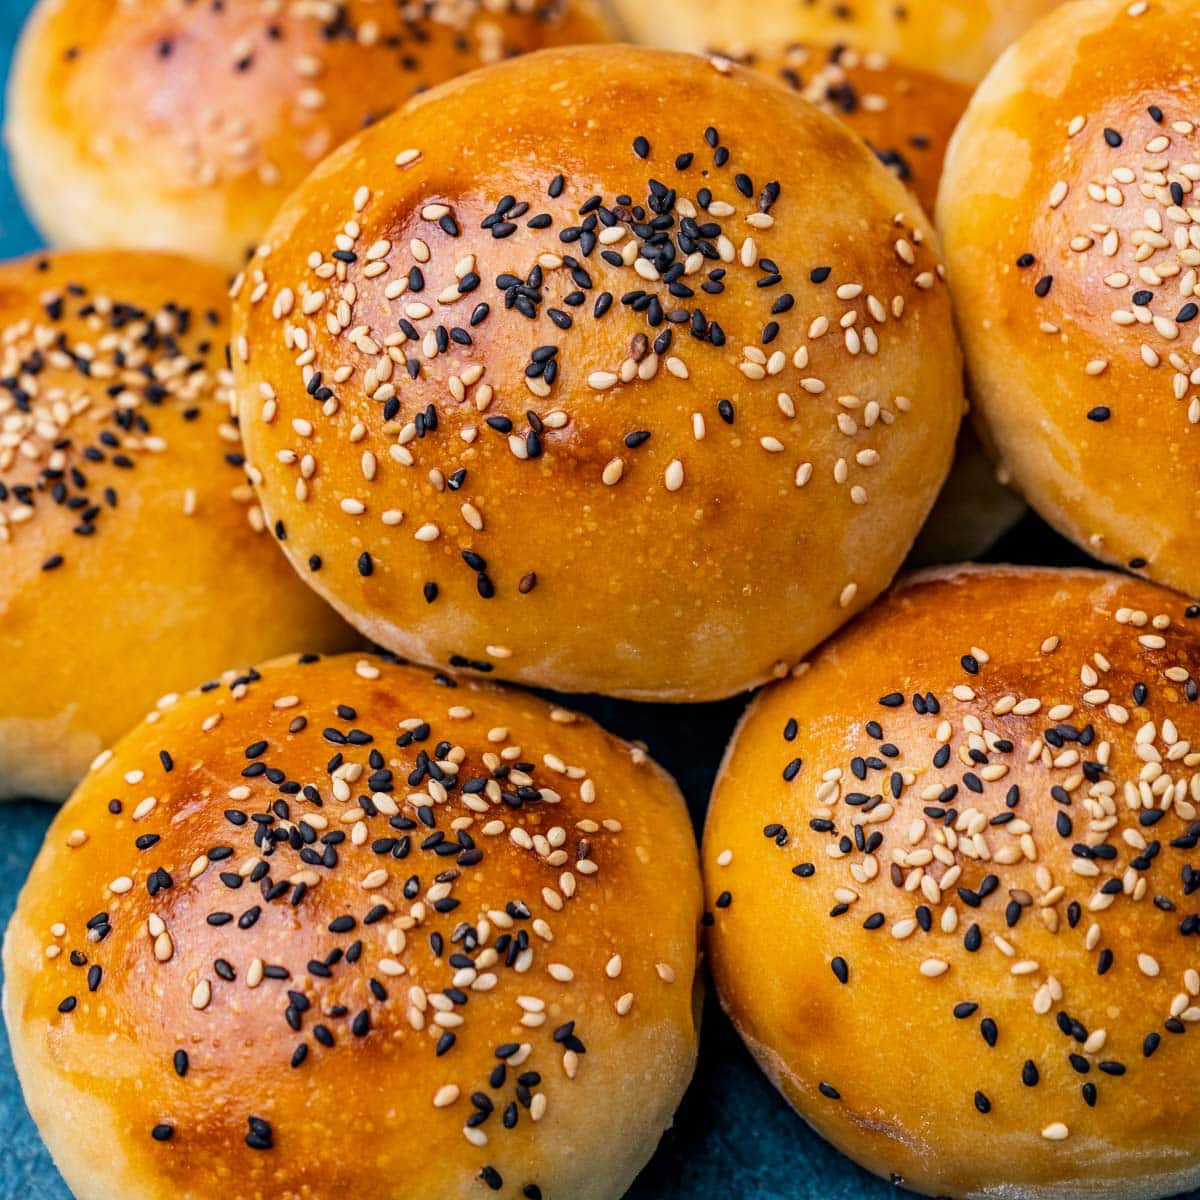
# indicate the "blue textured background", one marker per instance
pixel 734 1138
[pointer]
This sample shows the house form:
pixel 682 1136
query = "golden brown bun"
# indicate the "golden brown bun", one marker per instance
pixel 653 520
pixel 956 38
pixel 573 849
pixel 133 561
pixel 1069 218
pixel 905 115
pixel 183 126
pixel 941 966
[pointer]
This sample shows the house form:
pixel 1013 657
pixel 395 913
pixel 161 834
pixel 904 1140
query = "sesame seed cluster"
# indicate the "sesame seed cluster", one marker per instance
pixel 1074 259
pixel 225 105
pixel 1132 227
pixel 94 386
pixel 958 39
pixel 454 391
pixel 343 865
pixel 123 498
pixel 998 826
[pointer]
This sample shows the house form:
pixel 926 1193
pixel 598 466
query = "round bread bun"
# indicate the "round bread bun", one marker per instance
pixel 183 126
pixel 956 38
pixel 906 116
pixel 950 868
pixel 344 927
pixel 643 389
pixel 133 557
pixel 1069 220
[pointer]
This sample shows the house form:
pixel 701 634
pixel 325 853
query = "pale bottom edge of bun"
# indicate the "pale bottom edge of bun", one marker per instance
pixel 77 208
pixel 1139 1181
pixel 43 759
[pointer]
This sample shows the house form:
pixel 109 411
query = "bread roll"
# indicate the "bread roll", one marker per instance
pixel 905 115
pixel 956 38
pixel 176 125
pixel 133 561
pixel 643 388
pixel 1069 219
pixel 951 873
pixel 345 928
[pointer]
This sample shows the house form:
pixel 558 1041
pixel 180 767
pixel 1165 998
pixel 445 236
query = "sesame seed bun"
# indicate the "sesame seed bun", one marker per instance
pixel 133 556
pixel 956 38
pixel 1069 221
pixel 950 869
pixel 246 965
pixel 173 126
pixel 642 389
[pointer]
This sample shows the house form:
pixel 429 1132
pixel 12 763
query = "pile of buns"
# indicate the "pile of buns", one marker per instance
pixel 388 355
